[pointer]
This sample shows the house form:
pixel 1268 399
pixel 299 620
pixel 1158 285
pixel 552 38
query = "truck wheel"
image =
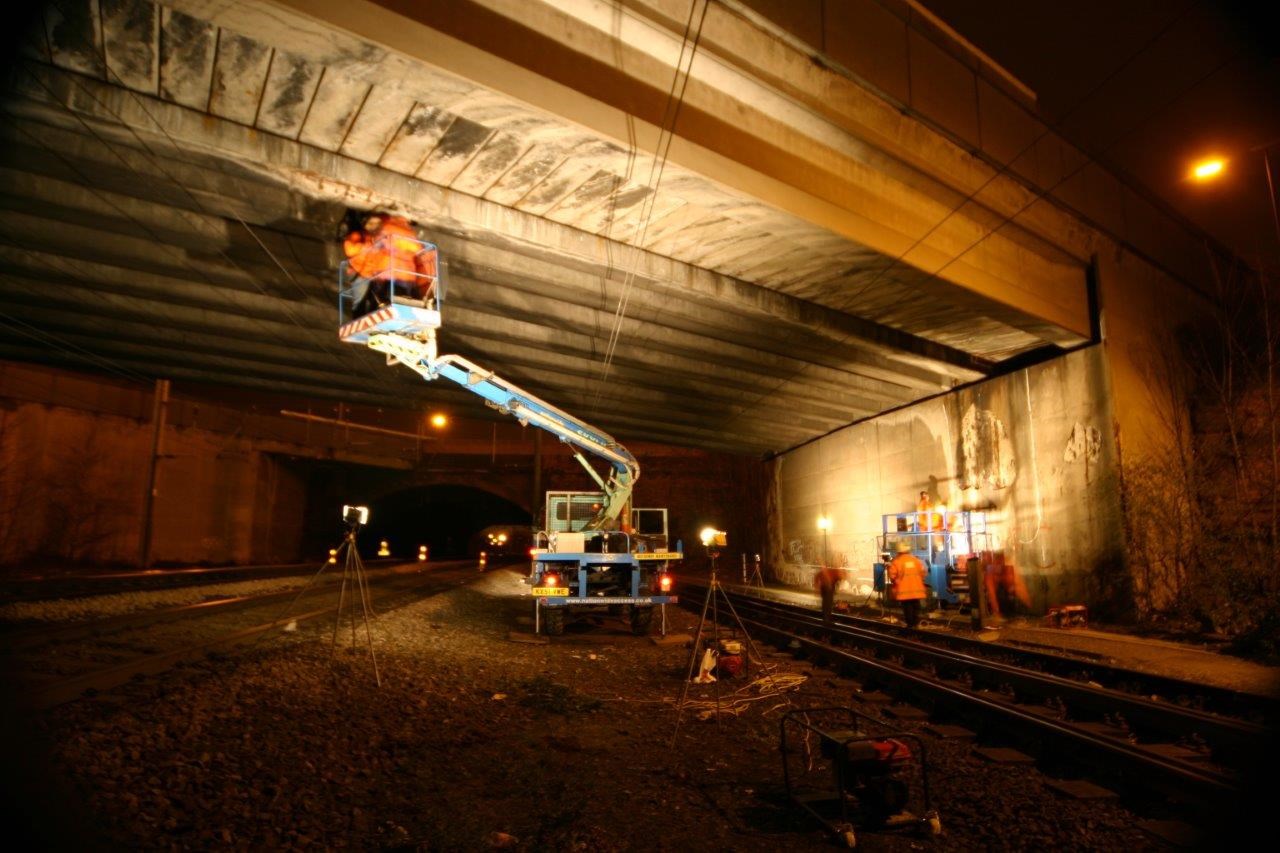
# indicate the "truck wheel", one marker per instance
pixel 641 619
pixel 553 621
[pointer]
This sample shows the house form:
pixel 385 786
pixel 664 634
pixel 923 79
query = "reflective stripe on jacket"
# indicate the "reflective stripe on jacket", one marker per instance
pixel 907 573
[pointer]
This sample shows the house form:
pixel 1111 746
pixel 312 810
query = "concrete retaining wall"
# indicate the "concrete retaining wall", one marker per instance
pixel 1033 449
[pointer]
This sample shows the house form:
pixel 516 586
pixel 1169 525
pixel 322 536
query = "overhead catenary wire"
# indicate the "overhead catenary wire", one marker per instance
pixel 657 165
pixel 73 350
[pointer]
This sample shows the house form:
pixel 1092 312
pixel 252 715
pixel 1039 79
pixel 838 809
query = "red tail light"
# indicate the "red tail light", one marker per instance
pixel 665 582
pixel 550 580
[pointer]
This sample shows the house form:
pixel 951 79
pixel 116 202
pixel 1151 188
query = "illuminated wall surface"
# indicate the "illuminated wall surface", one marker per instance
pixel 1034 449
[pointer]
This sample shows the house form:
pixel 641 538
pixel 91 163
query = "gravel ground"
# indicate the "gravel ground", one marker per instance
pixel 477 742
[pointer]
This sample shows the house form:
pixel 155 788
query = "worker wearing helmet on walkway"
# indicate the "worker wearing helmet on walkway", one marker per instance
pixel 907 573
pixel 826 580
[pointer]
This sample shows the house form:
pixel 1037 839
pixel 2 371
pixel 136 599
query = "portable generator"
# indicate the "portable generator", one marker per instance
pixel 729 660
pixel 878 778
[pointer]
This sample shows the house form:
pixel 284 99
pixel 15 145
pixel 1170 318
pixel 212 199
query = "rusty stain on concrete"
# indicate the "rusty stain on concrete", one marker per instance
pixel 986 454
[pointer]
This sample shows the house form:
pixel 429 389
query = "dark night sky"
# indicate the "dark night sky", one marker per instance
pixel 1197 77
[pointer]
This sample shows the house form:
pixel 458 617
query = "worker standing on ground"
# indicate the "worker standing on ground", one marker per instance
pixel 826 581
pixel 906 573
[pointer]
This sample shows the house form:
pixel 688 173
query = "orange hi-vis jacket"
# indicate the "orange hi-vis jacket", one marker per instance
pixel 927 520
pixel 907 574
pixel 394 249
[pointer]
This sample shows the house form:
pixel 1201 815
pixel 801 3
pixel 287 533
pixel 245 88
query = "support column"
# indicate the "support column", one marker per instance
pixel 158 410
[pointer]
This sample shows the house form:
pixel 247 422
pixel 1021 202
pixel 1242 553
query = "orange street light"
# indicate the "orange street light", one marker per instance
pixel 439 420
pixel 1208 169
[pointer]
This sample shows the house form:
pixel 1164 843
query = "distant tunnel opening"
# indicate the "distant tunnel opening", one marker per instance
pixel 452 521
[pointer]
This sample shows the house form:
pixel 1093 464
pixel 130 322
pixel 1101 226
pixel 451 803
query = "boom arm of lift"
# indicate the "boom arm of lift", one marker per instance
pixel 421 356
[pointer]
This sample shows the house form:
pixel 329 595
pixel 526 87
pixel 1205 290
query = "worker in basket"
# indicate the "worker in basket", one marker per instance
pixel 386 259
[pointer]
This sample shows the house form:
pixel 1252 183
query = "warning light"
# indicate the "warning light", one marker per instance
pixel 439 420
pixel 664 582
pixel 551 580
pixel 484 558
pixel 333 556
pixel 502 537
pixel 383 550
pixel 422 553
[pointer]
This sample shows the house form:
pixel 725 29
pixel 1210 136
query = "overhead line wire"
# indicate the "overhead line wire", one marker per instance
pixel 672 109
pixel 35 333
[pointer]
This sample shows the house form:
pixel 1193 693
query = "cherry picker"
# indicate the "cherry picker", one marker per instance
pixel 595 550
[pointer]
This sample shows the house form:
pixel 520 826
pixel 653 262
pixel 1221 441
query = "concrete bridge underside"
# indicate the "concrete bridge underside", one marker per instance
pixel 172 177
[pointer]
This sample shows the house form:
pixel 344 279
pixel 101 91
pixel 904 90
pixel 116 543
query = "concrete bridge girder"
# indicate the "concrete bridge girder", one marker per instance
pixel 850 170
pixel 749 293
pixel 369 66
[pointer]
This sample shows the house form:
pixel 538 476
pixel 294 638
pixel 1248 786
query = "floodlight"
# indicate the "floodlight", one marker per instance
pixel 355 514
pixel 712 538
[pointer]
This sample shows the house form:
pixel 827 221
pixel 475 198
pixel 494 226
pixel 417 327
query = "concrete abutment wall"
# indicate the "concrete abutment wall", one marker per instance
pixel 1034 450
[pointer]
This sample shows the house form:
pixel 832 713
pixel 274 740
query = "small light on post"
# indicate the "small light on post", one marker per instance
pixel 824 524
pixel 422 553
pixel 383 550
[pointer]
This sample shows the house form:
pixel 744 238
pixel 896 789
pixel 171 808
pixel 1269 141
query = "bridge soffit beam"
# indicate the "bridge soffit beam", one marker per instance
pixel 329 177
pixel 839 178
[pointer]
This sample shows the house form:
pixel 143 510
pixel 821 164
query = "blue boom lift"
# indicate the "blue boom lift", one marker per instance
pixel 592 564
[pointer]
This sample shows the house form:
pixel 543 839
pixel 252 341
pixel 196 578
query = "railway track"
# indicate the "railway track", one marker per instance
pixel 1077 718
pixel 49 665
pixel 85 585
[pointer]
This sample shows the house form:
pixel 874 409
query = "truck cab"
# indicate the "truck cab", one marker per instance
pixel 577 570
